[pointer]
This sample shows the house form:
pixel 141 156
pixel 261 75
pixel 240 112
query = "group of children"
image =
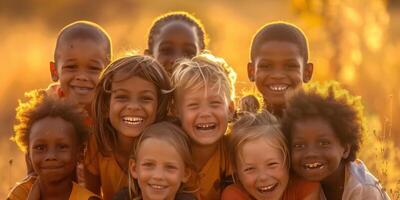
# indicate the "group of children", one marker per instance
pixel 163 125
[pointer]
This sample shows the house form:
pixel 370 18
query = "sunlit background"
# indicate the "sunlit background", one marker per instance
pixel 356 42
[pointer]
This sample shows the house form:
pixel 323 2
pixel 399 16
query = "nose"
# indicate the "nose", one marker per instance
pixel 133 105
pixel 158 173
pixel 51 155
pixel 81 75
pixel 311 151
pixel 277 73
pixel 263 175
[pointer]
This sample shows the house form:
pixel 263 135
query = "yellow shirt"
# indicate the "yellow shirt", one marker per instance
pixel 21 191
pixel 217 167
pixel 112 177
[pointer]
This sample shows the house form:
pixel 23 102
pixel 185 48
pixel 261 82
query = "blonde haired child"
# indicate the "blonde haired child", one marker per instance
pixel 203 104
pixel 132 94
pixel 161 164
pixel 52 133
pixel 260 160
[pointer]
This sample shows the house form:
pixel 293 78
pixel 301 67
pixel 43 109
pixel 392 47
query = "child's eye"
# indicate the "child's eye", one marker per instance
pixel 324 143
pixel 292 66
pixel 264 66
pixel 248 169
pixel 171 167
pixel 298 146
pixel 147 164
pixel 121 97
pixel 95 68
pixel 215 103
pixel 39 147
pixel 273 164
pixel 69 67
pixel 167 51
pixel 147 98
pixel 192 105
pixel 63 146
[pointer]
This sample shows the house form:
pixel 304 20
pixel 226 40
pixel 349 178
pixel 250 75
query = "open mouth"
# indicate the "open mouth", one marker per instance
pixel 278 87
pixel 157 187
pixel 315 165
pixel 268 188
pixel 132 120
pixel 81 89
pixel 206 126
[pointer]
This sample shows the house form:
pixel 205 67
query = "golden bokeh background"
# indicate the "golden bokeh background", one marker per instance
pixel 356 42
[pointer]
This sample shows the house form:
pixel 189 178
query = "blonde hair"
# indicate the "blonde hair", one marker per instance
pixel 202 70
pixel 178 139
pixel 251 127
pixel 124 68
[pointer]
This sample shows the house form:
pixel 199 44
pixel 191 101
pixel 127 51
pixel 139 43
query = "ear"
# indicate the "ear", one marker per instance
pixel 147 52
pixel 307 72
pixel 53 71
pixel 346 152
pixel 250 71
pixel 187 174
pixel 132 168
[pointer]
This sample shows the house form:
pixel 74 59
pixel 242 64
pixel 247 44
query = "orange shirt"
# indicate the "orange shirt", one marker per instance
pixel 22 189
pixel 210 175
pixel 297 190
pixel 112 177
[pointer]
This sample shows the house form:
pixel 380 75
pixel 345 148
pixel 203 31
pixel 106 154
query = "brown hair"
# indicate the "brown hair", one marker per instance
pixel 142 66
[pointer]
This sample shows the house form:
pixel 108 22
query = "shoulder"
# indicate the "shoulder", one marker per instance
pixel 80 192
pixel 361 182
pixel 21 189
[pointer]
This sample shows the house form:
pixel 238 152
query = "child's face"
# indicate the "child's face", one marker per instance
pixel 159 169
pixel 133 105
pixel 175 40
pixel 263 175
pixel 79 64
pixel 53 149
pixel 204 114
pixel 316 150
pixel 278 68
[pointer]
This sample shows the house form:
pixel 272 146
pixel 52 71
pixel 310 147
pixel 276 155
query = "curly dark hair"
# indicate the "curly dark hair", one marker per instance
pixel 177 16
pixel 333 104
pixel 280 31
pixel 38 106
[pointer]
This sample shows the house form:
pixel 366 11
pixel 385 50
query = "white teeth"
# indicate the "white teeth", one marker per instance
pixel 157 186
pixel 133 120
pixel 314 165
pixel 266 188
pixel 278 88
pixel 82 90
pixel 206 126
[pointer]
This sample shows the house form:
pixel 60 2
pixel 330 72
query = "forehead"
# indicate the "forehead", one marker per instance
pixel 154 147
pixel 203 91
pixel 254 150
pixel 88 46
pixel 278 50
pixel 312 128
pixel 178 32
pixel 132 83
pixel 52 128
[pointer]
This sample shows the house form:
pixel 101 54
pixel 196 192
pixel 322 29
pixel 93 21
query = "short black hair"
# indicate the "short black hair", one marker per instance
pixel 332 104
pixel 39 106
pixel 84 30
pixel 280 31
pixel 178 16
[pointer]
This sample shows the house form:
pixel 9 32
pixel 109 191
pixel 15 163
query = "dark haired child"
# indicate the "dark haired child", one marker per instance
pixel 52 133
pixel 82 50
pixel 278 63
pixel 324 132
pixel 175 35
pixel 132 93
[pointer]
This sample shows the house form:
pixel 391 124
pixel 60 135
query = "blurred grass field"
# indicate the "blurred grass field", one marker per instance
pixel 355 42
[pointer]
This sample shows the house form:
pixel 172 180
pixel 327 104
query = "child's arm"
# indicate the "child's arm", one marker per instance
pixel 92 182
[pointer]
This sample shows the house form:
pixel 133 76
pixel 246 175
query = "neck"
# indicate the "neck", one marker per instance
pixel 201 154
pixel 56 190
pixel 123 150
pixel 333 185
pixel 276 110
